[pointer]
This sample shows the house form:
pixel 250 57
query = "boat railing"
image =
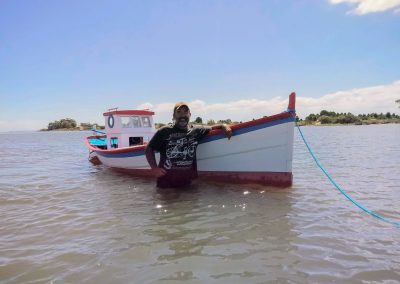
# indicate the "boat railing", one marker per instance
pixel 98 131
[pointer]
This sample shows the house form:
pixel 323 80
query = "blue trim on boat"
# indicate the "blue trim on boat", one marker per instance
pixel 98 141
pixel 122 155
pixel 248 129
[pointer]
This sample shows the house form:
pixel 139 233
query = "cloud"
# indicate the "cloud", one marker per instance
pixel 369 6
pixel 357 101
pixel 377 99
pixel 361 100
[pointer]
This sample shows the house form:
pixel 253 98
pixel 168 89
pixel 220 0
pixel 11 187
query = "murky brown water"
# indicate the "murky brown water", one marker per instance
pixel 66 221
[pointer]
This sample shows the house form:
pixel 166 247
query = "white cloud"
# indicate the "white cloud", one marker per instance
pixel 370 6
pixel 362 100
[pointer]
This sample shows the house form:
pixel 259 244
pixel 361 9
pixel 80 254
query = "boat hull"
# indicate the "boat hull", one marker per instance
pixel 259 151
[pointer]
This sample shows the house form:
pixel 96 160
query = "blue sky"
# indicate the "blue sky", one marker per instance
pixel 229 59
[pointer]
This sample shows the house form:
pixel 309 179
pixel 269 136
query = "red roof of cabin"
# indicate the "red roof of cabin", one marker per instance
pixel 128 112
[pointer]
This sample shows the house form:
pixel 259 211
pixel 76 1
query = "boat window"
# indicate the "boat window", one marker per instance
pixel 110 121
pixel 136 121
pixel 146 121
pixel 114 142
pixel 135 141
pixel 126 122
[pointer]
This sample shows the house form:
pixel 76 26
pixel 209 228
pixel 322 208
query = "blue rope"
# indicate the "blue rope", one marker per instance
pixel 340 189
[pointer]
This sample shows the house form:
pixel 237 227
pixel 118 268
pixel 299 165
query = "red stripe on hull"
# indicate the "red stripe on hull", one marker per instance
pixel 292 101
pixel 279 179
pixel 129 112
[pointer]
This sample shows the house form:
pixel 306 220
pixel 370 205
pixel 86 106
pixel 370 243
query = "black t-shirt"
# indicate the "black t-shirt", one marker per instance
pixel 177 149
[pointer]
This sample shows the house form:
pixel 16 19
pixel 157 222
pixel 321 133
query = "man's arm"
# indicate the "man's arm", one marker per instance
pixel 151 159
pixel 226 128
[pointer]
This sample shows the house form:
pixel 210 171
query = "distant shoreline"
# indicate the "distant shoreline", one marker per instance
pixel 365 122
pixel 68 129
pixel 62 129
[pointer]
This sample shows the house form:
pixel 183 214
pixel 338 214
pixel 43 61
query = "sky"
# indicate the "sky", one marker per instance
pixel 237 59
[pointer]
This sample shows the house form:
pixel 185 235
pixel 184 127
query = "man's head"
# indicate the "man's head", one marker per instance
pixel 181 114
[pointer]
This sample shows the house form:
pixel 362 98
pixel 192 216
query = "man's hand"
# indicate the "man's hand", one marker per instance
pixel 151 159
pixel 158 172
pixel 226 128
pixel 227 131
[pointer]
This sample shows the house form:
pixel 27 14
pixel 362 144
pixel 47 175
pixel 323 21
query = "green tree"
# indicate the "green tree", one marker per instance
pixel 86 125
pixel 347 118
pixel 324 119
pixel 226 121
pixel 312 117
pixel 67 123
pixel 198 120
pixel 210 122
pixel 328 113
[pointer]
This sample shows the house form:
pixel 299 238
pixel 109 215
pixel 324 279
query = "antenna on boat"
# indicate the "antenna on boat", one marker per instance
pixel 113 109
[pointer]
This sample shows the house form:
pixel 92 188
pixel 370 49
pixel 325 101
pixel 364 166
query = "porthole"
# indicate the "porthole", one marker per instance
pixel 110 121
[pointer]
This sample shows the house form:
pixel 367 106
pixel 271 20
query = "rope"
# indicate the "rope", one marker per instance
pixel 339 188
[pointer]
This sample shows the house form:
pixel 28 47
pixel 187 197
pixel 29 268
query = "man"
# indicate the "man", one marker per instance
pixel 177 144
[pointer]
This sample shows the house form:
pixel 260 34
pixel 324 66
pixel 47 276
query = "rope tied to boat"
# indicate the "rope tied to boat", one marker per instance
pixel 376 215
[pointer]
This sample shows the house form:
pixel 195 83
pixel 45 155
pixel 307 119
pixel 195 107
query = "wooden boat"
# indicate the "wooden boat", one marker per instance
pixel 260 151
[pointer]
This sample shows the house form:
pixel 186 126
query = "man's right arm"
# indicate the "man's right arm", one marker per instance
pixel 151 159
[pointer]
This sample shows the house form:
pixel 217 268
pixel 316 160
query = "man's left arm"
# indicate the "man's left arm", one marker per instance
pixel 226 128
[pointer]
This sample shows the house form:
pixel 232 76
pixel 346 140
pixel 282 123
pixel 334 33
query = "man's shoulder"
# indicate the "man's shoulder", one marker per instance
pixel 162 132
pixel 165 128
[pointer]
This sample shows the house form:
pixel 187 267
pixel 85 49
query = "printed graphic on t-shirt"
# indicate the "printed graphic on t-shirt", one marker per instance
pixel 180 152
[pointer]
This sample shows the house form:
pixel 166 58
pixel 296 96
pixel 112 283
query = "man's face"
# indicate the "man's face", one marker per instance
pixel 182 116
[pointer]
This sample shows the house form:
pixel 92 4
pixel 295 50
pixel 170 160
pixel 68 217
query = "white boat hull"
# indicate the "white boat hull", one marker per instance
pixel 259 151
pixel 265 150
pixel 262 155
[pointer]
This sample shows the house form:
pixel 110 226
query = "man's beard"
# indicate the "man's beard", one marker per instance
pixel 182 122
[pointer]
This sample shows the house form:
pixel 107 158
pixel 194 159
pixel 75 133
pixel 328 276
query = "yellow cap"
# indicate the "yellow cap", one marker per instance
pixel 178 105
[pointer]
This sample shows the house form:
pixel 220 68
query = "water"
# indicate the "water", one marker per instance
pixel 66 221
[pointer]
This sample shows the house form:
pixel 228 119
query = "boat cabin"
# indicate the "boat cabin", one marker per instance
pixel 125 128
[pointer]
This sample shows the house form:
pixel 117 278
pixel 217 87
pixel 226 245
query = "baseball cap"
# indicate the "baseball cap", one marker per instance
pixel 178 105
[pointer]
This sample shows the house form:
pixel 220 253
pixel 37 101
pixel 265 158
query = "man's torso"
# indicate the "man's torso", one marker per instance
pixel 177 153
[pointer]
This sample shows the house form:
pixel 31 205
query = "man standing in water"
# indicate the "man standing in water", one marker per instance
pixel 177 144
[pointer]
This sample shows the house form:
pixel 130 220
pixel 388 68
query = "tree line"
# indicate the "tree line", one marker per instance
pixel 331 117
pixel 70 124
pixel 199 120
pixel 66 123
